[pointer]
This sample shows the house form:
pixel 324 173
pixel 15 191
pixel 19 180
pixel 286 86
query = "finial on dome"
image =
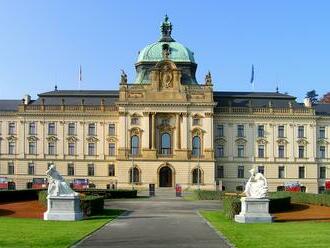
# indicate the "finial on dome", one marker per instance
pixel 166 30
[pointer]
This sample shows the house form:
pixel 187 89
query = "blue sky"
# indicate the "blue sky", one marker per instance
pixel 42 43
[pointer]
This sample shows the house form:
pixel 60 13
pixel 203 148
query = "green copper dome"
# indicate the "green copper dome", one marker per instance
pixel 154 52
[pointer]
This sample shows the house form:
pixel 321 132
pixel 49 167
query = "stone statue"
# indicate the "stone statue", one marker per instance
pixel 123 77
pixel 57 186
pixel 256 187
pixel 208 79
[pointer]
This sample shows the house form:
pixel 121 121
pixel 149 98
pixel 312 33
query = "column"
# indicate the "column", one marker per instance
pixel 145 139
pixel 177 143
pixel 184 131
pixel 153 133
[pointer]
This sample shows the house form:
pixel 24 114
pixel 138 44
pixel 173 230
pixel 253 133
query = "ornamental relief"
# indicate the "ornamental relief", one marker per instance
pixel 262 141
pixel 166 77
pixel 197 132
pixel 52 138
pixel 11 138
pixel 72 139
pixel 220 141
pixel 165 128
pixel 302 141
pixel 241 141
pixel 92 139
pixel 282 141
pixel 322 142
pixel 32 138
pixel 136 131
pixel 111 139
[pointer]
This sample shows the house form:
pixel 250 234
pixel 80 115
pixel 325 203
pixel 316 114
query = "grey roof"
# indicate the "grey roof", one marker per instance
pixel 242 94
pixel 80 93
pixel 9 105
pixel 322 109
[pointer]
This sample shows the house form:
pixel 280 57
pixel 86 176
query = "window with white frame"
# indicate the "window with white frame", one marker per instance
pixel 11 168
pixel 32 128
pixel 301 172
pixel 111 170
pixel 70 169
pixel 220 130
pixel 11 148
pixel 322 172
pixel 322 132
pixel 91 170
pixel 281 131
pixel 220 171
pixel 71 148
pixel 112 129
pixel 261 131
pixel 11 128
pixel 72 128
pixel 112 149
pixel 301 131
pixel 240 130
pixel 240 151
pixel 30 168
pixel 301 151
pixel 322 152
pixel 281 172
pixel 51 128
pixel 219 152
pixel 32 147
pixel 261 151
pixel 240 171
pixel 52 148
pixel 91 149
pixel 91 129
pixel 281 151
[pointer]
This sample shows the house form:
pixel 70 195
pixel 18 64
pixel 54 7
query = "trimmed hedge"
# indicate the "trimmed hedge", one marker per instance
pixel 19 195
pixel 305 198
pixel 42 197
pixel 279 204
pixel 208 195
pixel 110 194
pixel 92 205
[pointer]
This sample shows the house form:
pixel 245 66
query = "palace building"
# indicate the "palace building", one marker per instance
pixel 166 128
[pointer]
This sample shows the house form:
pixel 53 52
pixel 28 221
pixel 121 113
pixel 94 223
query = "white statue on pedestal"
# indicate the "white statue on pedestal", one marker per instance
pixel 256 187
pixel 57 186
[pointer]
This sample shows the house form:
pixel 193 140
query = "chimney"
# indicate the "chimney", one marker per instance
pixel 307 103
pixel 27 99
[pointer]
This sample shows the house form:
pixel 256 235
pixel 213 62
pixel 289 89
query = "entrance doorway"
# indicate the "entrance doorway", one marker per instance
pixel 165 177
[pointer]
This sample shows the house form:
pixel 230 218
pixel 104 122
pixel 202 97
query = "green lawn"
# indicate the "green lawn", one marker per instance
pixel 288 234
pixel 20 232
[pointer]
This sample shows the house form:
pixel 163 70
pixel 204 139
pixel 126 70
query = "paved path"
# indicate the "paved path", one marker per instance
pixel 157 222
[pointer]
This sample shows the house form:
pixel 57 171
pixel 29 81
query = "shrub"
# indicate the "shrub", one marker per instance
pixel 91 205
pixel 279 204
pixel 208 195
pixel 42 197
pixel 19 195
pixel 305 198
pixel 110 194
pixel 231 205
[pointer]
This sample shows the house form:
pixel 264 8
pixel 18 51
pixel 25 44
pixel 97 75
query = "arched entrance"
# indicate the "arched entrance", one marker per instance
pixel 165 177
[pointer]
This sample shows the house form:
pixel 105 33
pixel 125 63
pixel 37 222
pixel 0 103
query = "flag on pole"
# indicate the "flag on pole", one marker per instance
pixel 252 75
pixel 80 74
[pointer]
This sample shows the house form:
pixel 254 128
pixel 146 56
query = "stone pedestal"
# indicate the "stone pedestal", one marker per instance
pixel 254 210
pixel 63 208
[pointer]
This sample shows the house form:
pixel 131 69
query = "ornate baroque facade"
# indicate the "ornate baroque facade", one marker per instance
pixel 166 129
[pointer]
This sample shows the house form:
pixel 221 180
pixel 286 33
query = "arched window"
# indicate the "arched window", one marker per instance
pixel 166 143
pixel 135 145
pixel 136 175
pixel 196 146
pixel 197 176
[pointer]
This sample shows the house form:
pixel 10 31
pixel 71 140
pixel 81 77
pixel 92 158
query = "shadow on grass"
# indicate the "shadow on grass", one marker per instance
pixel 5 212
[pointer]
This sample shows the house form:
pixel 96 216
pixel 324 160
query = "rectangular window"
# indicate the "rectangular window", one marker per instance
pixel 71 149
pixel 261 131
pixel 301 152
pixel 220 173
pixel 91 149
pixel 11 168
pixel 111 170
pixel 240 130
pixel 51 148
pixel 11 128
pixel 261 169
pixel 32 128
pixel 31 168
pixel 72 129
pixel 90 170
pixel 301 132
pixel 33 148
pixel 322 152
pixel 281 172
pixel 240 171
pixel 220 131
pixel 261 151
pixel 196 121
pixel 112 130
pixel 301 172
pixel 51 128
pixel 112 149
pixel 92 129
pixel 281 132
pixel 11 148
pixel 219 151
pixel 322 132
pixel 281 151
pixel 70 170
pixel 240 151
pixel 322 172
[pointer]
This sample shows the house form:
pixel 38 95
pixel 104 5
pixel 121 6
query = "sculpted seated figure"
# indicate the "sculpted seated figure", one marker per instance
pixel 256 187
pixel 57 186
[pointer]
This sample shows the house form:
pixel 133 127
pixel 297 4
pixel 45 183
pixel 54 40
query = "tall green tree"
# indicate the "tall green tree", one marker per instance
pixel 312 96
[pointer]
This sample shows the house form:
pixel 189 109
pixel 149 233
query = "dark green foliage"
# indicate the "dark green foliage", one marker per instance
pixel 305 198
pixel 231 206
pixel 19 195
pixel 312 96
pixel 279 204
pixel 208 195
pixel 42 197
pixel 110 194
pixel 92 205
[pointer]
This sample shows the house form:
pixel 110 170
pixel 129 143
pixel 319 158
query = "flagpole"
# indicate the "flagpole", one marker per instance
pixel 80 77
pixel 252 78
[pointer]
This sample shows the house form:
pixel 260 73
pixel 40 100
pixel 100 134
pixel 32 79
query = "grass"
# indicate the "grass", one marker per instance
pixel 20 232
pixel 284 234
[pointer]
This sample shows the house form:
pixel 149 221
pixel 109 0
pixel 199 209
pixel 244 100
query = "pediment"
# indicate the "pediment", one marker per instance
pixel 136 131
pixel 322 142
pixel 32 138
pixel 11 138
pixel 220 141
pixel 111 139
pixel 241 141
pixel 262 141
pixel 92 139
pixel 302 141
pixel 72 139
pixel 282 141
pixel 52 138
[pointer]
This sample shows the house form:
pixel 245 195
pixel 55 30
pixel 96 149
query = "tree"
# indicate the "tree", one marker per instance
pixel 312 96
pixel 325 98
